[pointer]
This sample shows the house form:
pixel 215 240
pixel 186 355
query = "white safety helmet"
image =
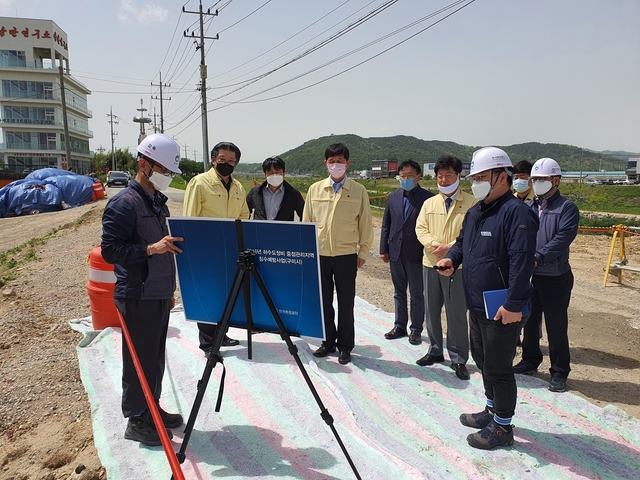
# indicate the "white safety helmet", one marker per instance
pixel 545 167
pixel 488 158
pixel 161 149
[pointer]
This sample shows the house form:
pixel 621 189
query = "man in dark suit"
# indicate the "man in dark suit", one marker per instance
pixel 400 247
pixel 274 199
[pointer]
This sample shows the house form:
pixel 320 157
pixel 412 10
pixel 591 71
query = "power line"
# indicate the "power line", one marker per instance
pixel 343 56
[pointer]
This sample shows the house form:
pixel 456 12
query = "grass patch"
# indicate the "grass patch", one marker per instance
pixel 15 257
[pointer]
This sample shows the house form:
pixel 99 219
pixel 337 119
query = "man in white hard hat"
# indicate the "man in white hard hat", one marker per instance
pixel 496 244
pixel 552 277
pixel 216 194
pixel 135 238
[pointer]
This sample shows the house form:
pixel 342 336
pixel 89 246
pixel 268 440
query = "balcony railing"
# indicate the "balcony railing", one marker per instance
pixel 29 122
pixel 40 66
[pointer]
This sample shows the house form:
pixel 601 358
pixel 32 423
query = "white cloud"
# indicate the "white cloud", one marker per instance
pixel 131 12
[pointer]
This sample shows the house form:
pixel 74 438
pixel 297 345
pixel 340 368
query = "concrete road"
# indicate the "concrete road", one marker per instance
pixel 174 194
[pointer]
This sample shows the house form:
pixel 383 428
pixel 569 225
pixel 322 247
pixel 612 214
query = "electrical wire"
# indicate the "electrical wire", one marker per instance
pixel 343 56
pixel 285 41
pixel 243 100
pixel 244 18
pixel 316 47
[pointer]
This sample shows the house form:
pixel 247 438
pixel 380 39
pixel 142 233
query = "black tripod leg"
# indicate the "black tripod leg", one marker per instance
pixel 246 290
pixel 293 350
pixel 213 358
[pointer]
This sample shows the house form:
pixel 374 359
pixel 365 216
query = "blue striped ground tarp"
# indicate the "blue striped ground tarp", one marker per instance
pixel 397 420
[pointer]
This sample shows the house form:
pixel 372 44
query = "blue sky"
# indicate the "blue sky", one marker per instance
pixel 496 72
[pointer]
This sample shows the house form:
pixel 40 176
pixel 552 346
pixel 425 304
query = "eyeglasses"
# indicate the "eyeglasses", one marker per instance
pixel 163 170
pixel 447 176
pixel 479 177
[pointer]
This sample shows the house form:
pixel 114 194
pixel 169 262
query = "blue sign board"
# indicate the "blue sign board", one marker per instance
pixel 286 258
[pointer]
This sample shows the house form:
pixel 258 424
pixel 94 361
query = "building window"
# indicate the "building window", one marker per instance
pixel 29 164
pixel 13 58
pixel 29 115
pixel 27 89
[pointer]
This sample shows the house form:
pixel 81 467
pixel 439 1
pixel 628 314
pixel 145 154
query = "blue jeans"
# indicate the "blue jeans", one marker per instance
pixel 493 347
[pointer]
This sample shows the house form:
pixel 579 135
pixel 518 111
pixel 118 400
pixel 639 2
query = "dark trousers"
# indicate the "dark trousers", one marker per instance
pixel 147 322
pixel 551 296
pixel 206 335
pixel 493 347
pixel 405 273
pixel 340 271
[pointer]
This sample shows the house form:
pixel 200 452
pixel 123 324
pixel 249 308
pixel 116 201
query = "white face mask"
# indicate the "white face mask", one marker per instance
pixel 481 190
pixel 520 185
pixel 275 180
pixel 161 182
pixel 336 170
pixel 450 189
pixel 540 187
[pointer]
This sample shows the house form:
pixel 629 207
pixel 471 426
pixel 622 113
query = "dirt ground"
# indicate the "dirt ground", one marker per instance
pixel 45 416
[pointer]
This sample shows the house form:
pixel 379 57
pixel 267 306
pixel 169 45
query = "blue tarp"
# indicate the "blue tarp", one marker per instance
pixel 45 190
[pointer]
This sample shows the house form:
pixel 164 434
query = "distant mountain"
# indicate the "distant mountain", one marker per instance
pixel 308 157
pixel 620 154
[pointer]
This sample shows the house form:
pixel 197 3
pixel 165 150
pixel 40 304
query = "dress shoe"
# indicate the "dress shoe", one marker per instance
pixel 557 383
pixel 344 357
pixel 415 338
pixel 461 371
pixel 524 368
pixel 429 359
pixel 323 351
pixel 394 333
pixel 229 342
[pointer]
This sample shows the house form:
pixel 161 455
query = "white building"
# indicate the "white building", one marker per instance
pixel 31 113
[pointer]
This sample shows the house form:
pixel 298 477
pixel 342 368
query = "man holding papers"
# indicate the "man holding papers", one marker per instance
pixel 497 244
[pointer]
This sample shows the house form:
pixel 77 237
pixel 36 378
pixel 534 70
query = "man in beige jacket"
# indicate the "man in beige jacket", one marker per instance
pixel 215 194
pixel 437 227
pixel 340 207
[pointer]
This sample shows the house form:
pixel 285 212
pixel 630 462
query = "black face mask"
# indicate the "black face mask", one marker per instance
pixel 224 169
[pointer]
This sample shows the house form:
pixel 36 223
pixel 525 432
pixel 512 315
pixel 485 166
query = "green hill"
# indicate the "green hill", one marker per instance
pixel 308 157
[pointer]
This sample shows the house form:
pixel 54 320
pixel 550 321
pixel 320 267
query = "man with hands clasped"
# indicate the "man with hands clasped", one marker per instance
pixel 400 248
pixel 437 227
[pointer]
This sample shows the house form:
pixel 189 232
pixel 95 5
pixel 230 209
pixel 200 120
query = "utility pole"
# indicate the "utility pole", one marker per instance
pixel 195 155
pixel 113 137
pixel 67 145
pixel 161 101
pixel 141 120
pixel 185 151
pixel 203 81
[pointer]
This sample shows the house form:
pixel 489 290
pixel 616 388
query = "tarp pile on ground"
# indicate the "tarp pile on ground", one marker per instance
pixel 45 190
pixel 397 420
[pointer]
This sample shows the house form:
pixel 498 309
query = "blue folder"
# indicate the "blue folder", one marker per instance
pixel 494 299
